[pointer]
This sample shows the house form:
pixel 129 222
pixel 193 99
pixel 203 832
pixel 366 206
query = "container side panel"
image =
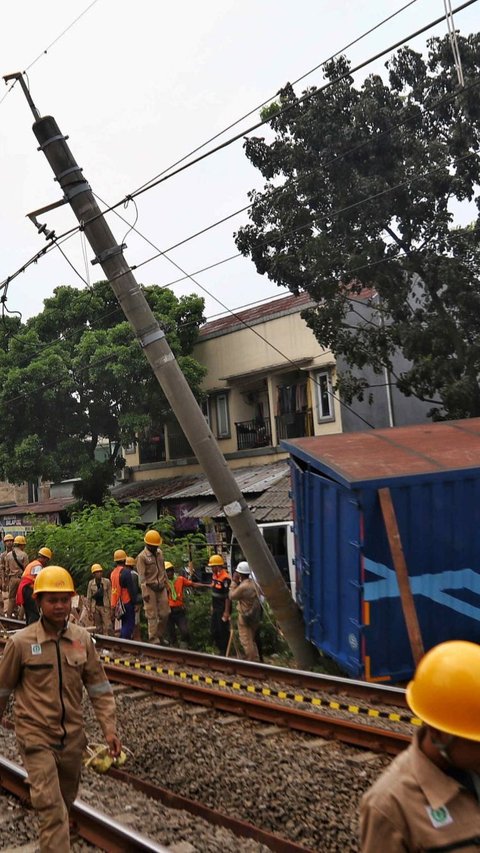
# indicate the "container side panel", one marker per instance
pixel 327 523
pixel 439 523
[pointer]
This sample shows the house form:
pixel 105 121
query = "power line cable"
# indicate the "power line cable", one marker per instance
pixel 294 83
pixel 308 96
pixel 125 201
pixel 45 51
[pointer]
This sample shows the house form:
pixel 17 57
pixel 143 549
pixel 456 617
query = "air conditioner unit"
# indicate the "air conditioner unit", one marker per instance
pixel 124 474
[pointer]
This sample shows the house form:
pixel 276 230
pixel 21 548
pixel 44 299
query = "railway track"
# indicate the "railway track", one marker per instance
pixel 99 829
pixel 181 674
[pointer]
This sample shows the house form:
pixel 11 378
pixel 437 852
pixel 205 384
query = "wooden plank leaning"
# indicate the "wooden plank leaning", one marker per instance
pixel 399 562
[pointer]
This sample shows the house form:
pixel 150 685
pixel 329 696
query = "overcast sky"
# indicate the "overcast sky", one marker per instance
pixel 136 86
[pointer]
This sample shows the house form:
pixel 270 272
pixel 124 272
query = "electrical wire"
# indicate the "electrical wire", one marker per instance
pixel 154 182
pixel 45 51
pixel 308 96
pixel 294 83
pixel 355 149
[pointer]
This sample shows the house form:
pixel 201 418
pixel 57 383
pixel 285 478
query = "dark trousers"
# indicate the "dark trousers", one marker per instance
pixel 177 619
pixel 128 622
pixel 220 630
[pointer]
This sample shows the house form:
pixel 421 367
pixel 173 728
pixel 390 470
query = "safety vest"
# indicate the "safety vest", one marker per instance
pixel 25 581
pixel 27 572
pixel 218 584
pixel 118 592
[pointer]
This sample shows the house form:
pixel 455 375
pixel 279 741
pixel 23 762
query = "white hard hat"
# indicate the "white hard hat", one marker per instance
pixel 243 568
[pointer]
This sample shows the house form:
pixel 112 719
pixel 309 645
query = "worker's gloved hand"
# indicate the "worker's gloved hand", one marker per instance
pixel 225 618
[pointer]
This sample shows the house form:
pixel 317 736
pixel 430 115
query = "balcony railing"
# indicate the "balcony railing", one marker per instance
pixel 152 449
pixel 294 424
pixel 178 446
pixel 251 434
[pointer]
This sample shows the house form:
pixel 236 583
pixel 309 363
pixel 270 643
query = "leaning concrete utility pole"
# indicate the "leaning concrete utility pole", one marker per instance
pixel 151 337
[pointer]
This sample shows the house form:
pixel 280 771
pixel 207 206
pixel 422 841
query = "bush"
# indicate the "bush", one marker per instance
pixel 93 535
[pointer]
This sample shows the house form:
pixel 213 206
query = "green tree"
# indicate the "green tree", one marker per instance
pixel 365 187
pixel 75 374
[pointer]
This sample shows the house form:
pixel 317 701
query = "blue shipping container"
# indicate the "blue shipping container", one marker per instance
pixel 346 581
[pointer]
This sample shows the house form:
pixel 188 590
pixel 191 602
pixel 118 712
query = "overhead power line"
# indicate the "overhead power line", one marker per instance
pixel 72 231
pixel 52 43
pixel 294 83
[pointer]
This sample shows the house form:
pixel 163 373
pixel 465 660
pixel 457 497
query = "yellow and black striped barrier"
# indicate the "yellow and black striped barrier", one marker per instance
pixel 315 701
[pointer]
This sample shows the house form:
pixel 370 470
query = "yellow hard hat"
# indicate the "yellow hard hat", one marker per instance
pixel 19 540
pixel 8 538
pixel 445 690
pixel 130 561
pixel 169 565
pixel 152 537
pixel 96 568
pixel 216 560
pixel 119 555
pixel 45 552
pixel 53 579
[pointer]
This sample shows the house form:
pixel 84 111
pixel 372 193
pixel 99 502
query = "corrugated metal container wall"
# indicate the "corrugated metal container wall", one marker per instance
pixel 439 523
pixel 346 580
pixel 327 523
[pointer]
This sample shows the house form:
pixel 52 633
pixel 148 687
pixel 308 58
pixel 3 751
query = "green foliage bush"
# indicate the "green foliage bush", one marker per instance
pixel 93 535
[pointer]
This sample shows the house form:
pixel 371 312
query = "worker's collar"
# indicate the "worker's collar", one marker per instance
pixel 43 636
pixel 439 788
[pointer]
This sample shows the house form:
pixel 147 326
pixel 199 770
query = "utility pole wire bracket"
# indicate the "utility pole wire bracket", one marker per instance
pixel 68 172
pixel 49 141
pixel 76 189
pixel 232 509
pixel 108 253
pixel 151 337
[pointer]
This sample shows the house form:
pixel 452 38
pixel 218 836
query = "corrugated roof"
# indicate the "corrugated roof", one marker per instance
pixel 151 490
pixel 274 504
pixel 249 480
pixel 43 508
pixel 388 454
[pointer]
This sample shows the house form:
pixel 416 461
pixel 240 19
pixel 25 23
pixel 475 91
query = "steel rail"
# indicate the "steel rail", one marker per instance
pixel 371 737
pixel 374 693
pixel 239 827
pixel 99 829
pixel 370 692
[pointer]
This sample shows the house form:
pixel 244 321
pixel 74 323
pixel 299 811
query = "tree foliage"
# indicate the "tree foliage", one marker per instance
pixel 75 374
pixel 365 189
pixel 92 536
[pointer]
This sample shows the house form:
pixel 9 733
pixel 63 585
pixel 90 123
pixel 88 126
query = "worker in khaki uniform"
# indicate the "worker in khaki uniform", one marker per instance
pixel 8 543
pixel 99 591
pixel 16 562
pixel 428 798
pixel 46 666
pixel 244 592
pixel 153 582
